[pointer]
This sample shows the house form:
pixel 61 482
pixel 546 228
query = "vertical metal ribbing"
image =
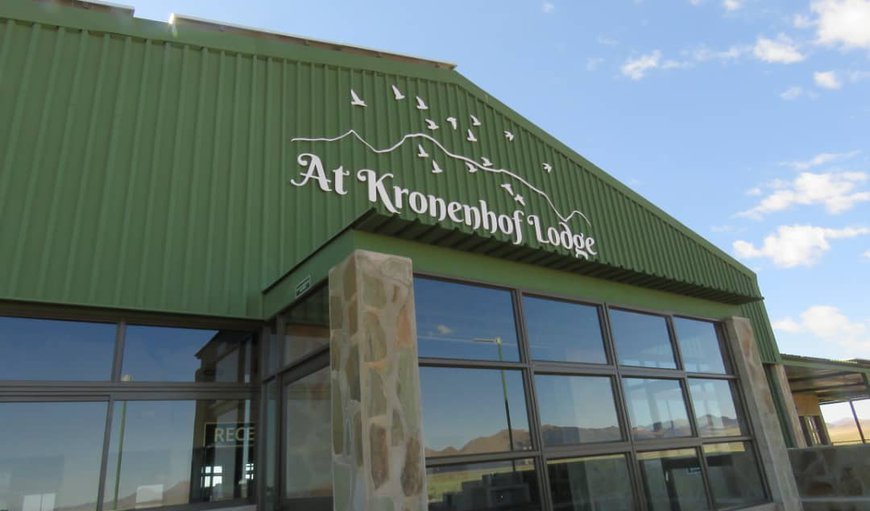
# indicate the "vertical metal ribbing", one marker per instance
pixel 107 190
pixel 231 194
pixel 52 224
pixel 11 150
pixel 36 166
pixel 248 201
pixel 176 174
pixel 74 248
pixel 151 181
pixel 134 167
pixel 195 171
pixel 213 165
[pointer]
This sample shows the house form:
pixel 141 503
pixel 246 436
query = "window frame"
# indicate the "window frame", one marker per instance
pixel 628 446
pixel 114 390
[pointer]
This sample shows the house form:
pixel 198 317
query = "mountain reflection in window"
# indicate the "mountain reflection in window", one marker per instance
pixel 564 403
pixel 469 411
pixel 657 408
pixel 464 321
pixel 501 485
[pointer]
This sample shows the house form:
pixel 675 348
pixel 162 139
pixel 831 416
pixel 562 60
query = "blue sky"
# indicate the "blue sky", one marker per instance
pixel 747 120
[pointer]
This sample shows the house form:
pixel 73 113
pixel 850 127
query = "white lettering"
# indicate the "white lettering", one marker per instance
pixel 395 199
pixel 315 171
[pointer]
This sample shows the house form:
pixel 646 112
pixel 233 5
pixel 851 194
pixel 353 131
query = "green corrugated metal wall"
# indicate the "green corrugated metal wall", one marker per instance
pixel 146 166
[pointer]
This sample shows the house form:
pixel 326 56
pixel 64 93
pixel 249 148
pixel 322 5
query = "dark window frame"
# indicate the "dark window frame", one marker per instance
pixel 613 369
pixel 114 390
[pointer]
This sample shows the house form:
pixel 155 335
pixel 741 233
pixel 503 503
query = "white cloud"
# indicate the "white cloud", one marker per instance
pixel 696 2
pixel 843 23
pixel 704 54
pixel 548 7
pixel 782 50
pixel 801 21
pixel 828 79
pixel 444 329
pixel 637 68
pixel 820 159
pixel 866 254
pixel 796 245
pixel 857 76
pixel 754 192
pixel 786 325
pixel 836 191
pixel 792 93
pixel 829 324
pixel 606 41
pixel 732 5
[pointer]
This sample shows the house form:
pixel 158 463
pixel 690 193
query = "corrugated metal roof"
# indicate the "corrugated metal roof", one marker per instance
pixel 146 166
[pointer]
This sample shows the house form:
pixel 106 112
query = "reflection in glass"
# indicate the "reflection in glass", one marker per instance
pixel 699 346
pixel 50 455
pixel 656 408
pixel 166 453
pixel 563 331
pixel 734 477
pixel 307 437
pixel 306 326
pixel 672 480
pixel 469 411
pixel 565 402
pixel 642 339
pixel 464 321
pixel 840 423
pixel 186 354
pixel 587 484
pixel 501 485
pixel 41 349
pixel 715 412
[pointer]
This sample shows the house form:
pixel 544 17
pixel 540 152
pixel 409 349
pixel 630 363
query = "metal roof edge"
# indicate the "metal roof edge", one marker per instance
pixel 573 154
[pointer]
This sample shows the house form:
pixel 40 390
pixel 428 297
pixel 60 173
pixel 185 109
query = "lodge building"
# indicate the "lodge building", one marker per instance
pixel 254 271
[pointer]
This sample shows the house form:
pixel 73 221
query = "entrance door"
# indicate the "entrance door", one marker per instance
pixel 306 438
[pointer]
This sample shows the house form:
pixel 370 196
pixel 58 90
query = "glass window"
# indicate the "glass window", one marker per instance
pixel 656 407
pixel 840 422
pixel 699 346
pixel 308 437
pixel 41 349
pixel 642 339
pixel 186 354
pixel 565 402
pixel 464 321
pixel 500 485
pixel 715 412
pixel 468 411
pixel 672 480
pixel 306 326
pixel 734 477
pixel 563 331
pixel 586 484
pixel 165 453
pixel 862 410
pixel 50 455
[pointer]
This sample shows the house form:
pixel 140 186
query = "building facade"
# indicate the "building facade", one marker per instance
pixel 244 269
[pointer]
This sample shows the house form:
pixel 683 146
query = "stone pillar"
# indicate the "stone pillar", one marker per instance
pixel 378 462
pixel 789 402
pixel 761 409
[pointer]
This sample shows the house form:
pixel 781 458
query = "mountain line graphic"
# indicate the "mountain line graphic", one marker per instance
pixel 468 161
